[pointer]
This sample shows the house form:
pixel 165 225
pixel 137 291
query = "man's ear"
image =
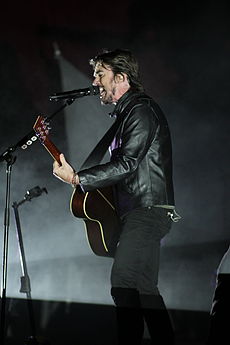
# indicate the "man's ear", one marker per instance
pixel 119 77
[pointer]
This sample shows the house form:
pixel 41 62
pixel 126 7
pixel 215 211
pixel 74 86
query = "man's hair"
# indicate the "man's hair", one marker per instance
pixel 120 61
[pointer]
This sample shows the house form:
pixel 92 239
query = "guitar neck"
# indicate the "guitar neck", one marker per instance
pixel 52 149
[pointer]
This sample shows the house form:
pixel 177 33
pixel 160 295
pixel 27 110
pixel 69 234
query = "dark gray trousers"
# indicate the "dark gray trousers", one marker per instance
pixel 136 261
pixel 134 278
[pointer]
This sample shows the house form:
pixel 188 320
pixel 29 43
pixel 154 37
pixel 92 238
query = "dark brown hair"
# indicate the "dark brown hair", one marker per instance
pixel 120 61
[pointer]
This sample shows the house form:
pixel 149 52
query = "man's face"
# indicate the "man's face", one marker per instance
pixel 104 78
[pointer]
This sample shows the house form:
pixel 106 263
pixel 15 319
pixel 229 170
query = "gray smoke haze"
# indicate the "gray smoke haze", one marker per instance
pixel 184 57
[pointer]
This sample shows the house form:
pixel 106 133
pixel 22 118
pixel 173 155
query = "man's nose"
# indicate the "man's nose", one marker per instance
pixel 96 82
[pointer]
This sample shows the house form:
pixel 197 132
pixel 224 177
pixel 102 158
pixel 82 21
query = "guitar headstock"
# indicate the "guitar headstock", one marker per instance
pixel 41 128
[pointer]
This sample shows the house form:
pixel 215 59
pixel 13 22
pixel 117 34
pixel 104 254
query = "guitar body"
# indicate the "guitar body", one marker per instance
pixel 96 208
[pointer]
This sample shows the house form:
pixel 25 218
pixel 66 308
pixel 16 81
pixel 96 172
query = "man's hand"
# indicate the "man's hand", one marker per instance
pixel 64 171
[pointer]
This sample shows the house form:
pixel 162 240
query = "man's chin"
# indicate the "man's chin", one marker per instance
pixel 105 101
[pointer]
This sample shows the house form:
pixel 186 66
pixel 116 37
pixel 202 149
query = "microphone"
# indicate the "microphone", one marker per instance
pixel 34 192
pixel 89 91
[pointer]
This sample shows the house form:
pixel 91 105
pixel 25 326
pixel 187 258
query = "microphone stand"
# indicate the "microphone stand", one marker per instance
pixel 10 160
pixel 29 138
pixel 25 279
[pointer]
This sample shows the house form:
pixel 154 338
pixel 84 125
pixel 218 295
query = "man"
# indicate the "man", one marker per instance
pixel 140 172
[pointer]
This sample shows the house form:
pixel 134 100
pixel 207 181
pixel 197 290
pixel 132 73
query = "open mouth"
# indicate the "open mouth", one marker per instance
pixel 102 92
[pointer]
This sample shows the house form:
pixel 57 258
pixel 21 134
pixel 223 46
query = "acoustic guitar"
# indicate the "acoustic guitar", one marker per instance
pixel 95 208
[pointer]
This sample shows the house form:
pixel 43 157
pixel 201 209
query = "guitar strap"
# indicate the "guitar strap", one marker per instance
pixel 100 149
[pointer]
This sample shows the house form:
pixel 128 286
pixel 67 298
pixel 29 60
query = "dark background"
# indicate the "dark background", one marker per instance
pixel 183 50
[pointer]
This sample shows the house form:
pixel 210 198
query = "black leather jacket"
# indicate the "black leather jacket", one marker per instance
pixel 140 169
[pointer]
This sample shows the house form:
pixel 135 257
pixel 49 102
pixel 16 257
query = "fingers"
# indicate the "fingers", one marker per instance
pixel 56 166
pixel 62 158
pixel 63 170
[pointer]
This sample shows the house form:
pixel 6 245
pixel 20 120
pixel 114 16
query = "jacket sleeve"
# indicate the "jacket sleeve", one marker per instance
pixel 139 130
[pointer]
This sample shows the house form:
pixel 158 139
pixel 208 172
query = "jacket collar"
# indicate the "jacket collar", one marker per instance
pixel 124 101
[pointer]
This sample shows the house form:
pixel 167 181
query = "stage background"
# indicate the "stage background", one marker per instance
pixel 183 51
